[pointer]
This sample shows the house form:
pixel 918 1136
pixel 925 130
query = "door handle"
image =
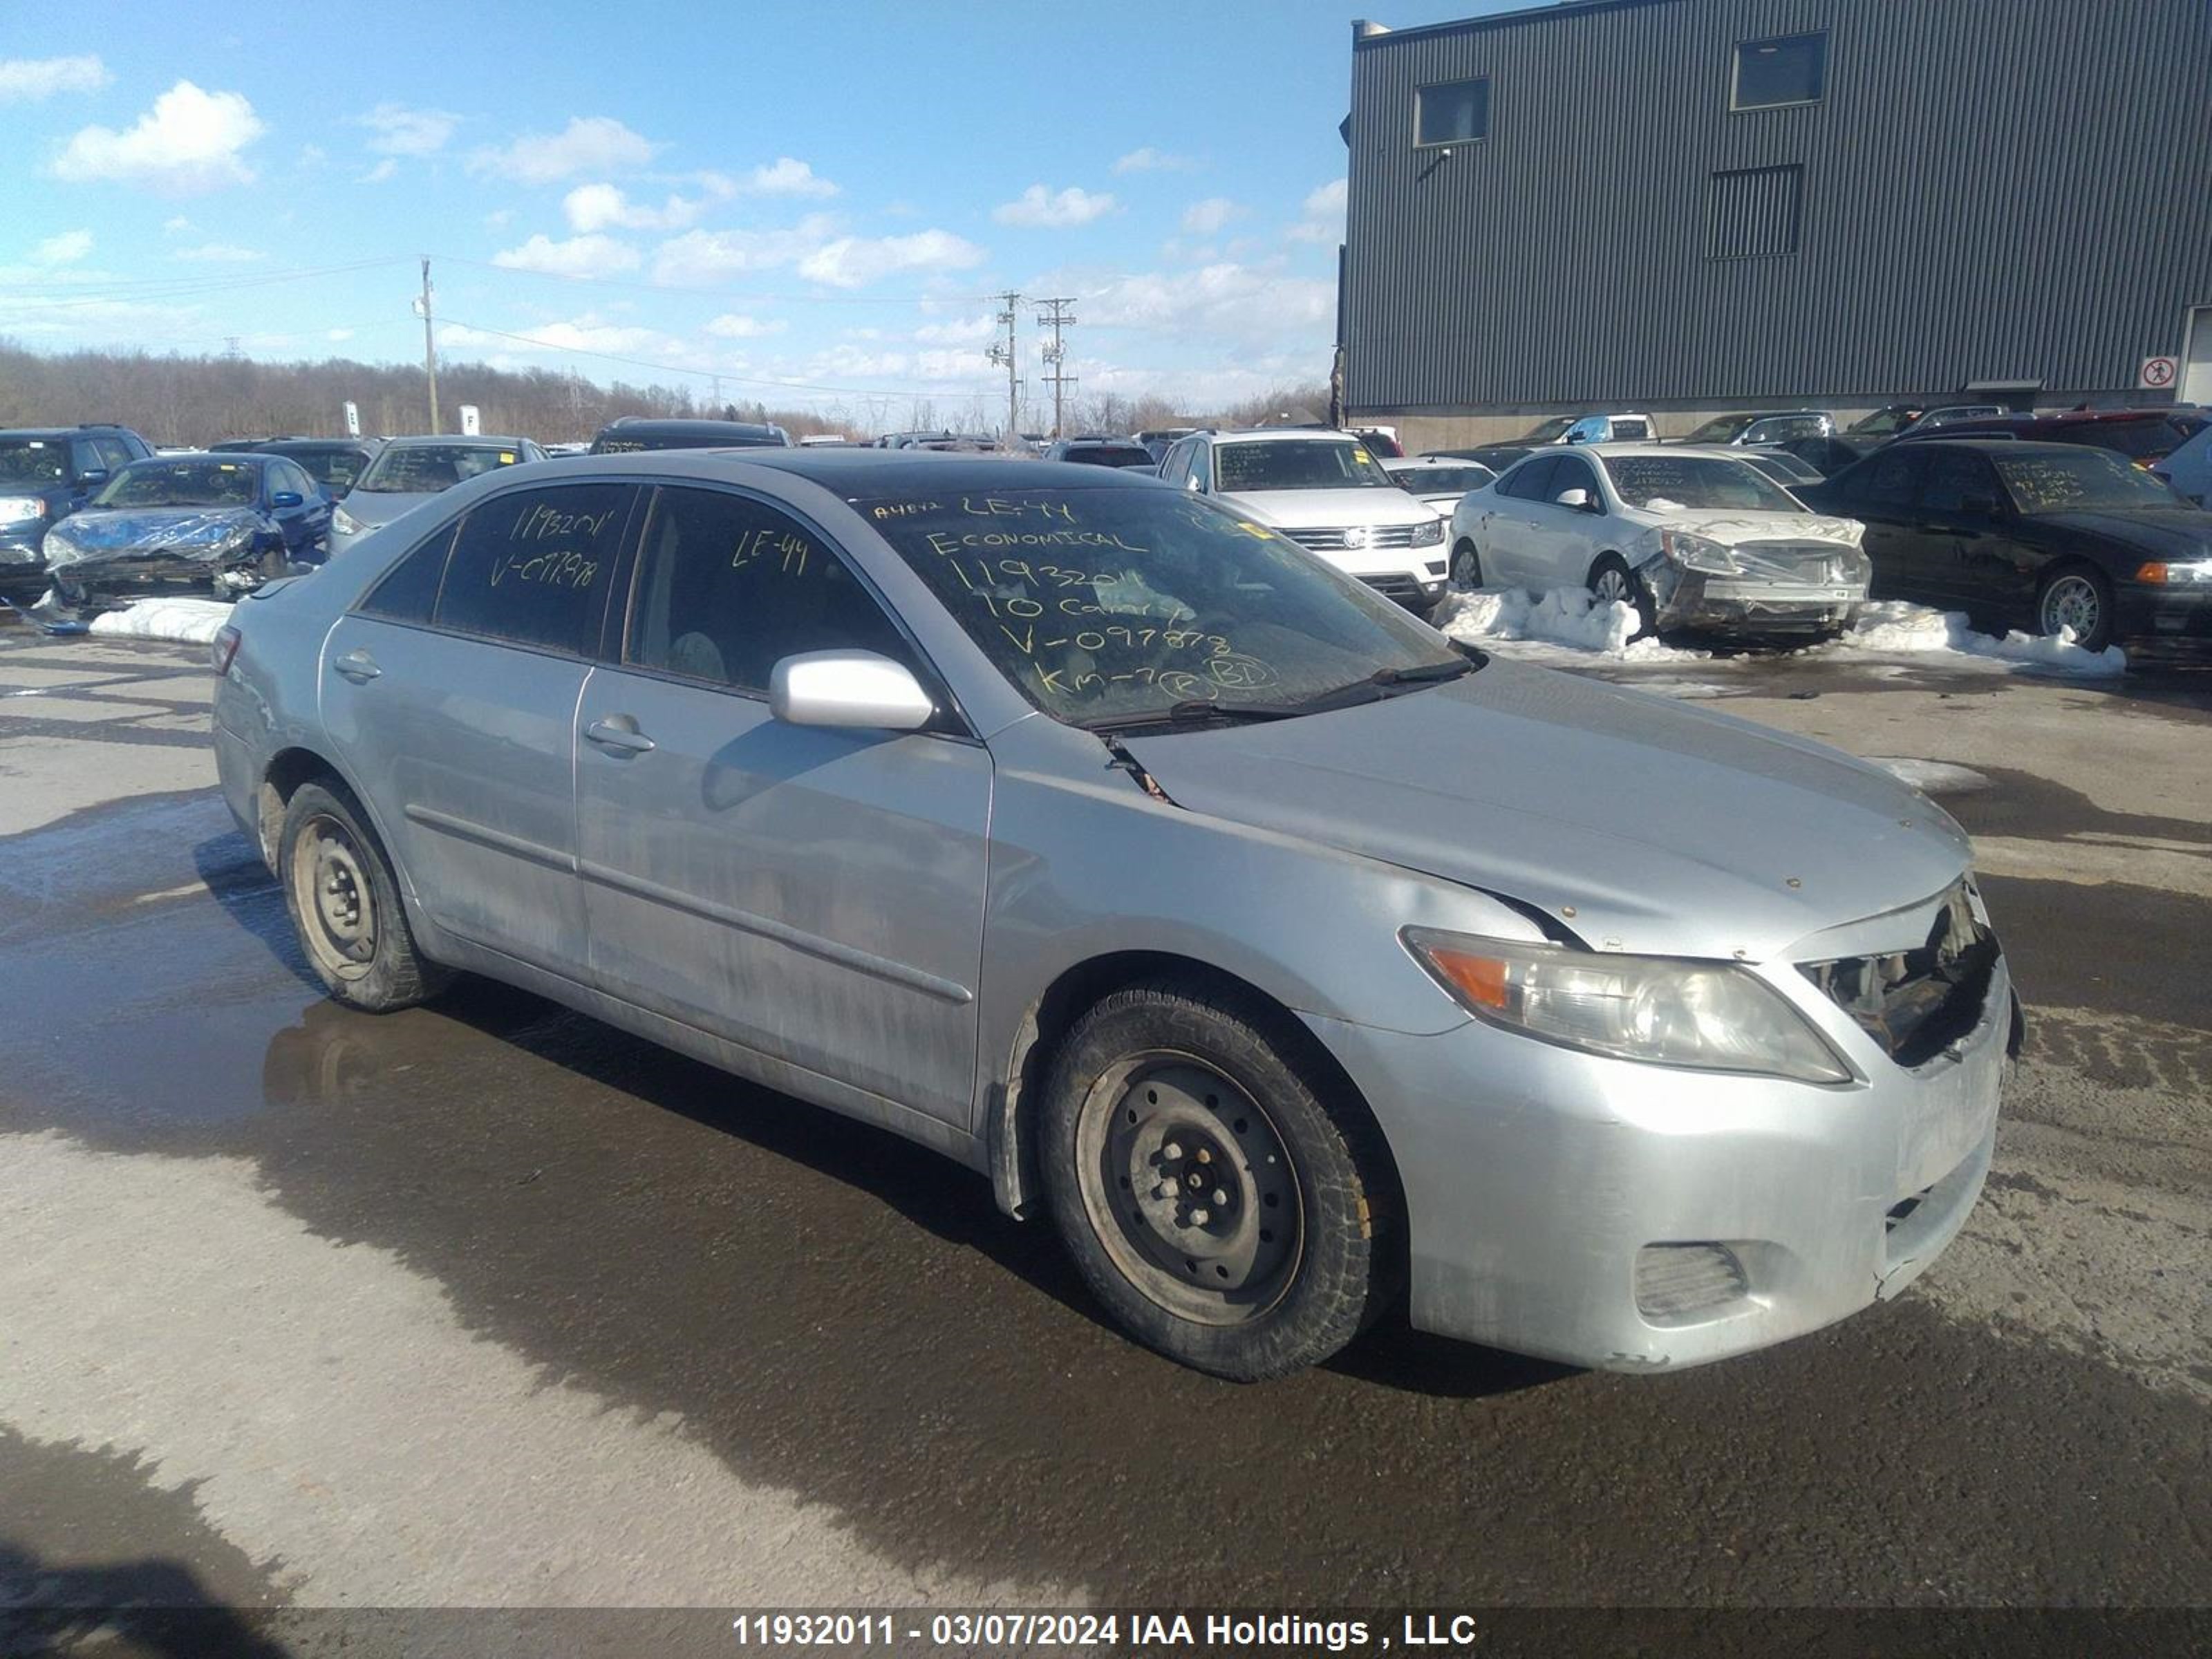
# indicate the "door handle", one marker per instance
pixel 619 732
pixel 358 666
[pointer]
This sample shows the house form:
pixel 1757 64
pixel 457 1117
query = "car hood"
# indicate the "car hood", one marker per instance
pixel 2173 532
pixel 175 533
pixel 1637 824
pixel 1733 528
pixel 1304 509
pixel 369 508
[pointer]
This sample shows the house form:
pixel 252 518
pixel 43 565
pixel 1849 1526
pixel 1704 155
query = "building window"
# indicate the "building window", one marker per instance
pixel 1752 213
pixel 1790 69
pixel 1451 112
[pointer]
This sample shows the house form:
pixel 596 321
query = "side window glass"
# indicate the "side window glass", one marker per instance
pixel 1953 478
pixel 114 454
pixel 1570 474
pixel 1202 465
pixel 533 566
pixel 1890 481
pixel 1175 466
pixel 409 590
pixel 1529 482
pixel 729 586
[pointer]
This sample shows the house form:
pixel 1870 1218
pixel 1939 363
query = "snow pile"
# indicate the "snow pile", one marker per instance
pixel 1896 626
pixel 1568 616
pixel 187 622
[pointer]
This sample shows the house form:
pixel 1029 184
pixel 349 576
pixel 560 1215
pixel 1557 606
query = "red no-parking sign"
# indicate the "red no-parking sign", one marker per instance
pixel 2157 374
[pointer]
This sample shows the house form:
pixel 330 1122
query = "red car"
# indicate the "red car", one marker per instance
pixel 2143 435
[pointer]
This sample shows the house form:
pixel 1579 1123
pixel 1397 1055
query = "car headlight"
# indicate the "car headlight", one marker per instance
pixel 1694 552
pixel 1662 1011
pixel 345 523
pixel 62 548
pixel 14 509
pixel 1427 535
pixel 2176 573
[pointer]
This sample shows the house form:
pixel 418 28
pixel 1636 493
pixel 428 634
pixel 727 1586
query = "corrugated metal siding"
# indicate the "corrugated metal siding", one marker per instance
pixel 1991 190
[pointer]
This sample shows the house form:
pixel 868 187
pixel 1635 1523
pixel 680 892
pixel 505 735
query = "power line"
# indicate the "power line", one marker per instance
pixel 1055 353
pixel 108 291
pixel 917 389
pixel 1004 353
pixel 721 291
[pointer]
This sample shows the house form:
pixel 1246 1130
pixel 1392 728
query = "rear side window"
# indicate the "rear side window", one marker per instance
pixel 1888 480
pixel 409 592
pixel 1529 482
pixel 1956 477
pixel 534 567
pixel 2134 438
pixel 728 586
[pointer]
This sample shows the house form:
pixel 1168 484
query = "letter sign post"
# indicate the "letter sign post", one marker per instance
pixel 353 419
pixel 471 422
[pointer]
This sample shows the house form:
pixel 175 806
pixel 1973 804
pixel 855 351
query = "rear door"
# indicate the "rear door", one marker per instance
pixel 451 692
pixel 813 895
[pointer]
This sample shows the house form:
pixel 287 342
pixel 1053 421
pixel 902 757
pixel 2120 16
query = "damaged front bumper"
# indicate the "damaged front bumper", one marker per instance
pixel 1696 599
pixel 1629 1216
pixel 204 555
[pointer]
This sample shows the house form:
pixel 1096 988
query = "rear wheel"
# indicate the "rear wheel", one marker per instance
pixel 1611 580
pixel 344 902
pixel 1465 567
pixel 1214 1197
pixel 2077 597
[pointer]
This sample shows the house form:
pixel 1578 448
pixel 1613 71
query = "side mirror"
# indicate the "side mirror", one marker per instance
pixel 284 498
pixel 1191 484
pixel 850 689
pixel 93 479
pixel 1577 498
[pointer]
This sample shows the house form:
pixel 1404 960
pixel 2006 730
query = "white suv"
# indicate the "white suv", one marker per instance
pixel 1327 493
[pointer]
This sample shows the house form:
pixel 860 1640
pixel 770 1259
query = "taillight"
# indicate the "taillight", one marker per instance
pixel 225 647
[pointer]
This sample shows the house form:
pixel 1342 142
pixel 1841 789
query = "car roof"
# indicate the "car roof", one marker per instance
pixel 2007 447
pixel 704 427
pixel 57 431
pixel 1283 435
pixel 854 472
pixel 1410 463
pixel 282 445
pixel 424 440
pixel 226 456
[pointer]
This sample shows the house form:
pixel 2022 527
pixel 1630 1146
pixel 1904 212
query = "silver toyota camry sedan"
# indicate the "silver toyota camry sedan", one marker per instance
pixel 1110 844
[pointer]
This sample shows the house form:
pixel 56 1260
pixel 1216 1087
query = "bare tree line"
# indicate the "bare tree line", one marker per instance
pixel 174 399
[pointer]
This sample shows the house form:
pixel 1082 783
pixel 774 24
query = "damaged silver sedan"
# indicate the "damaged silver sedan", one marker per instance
pixel 1105 841
pixel 1693 539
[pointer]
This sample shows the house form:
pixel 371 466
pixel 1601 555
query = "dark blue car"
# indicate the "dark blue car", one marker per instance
pixel 207 525
pixel 47 473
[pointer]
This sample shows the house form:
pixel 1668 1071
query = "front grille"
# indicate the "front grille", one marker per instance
pixel 1403 589
pixel 1676 1283
pixel 1812 562
pixel 1917 1003
pixel 1353 537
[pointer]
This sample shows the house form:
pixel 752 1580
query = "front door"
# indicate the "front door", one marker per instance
pixel 1885 499
pixel 814 895
pixel 451 691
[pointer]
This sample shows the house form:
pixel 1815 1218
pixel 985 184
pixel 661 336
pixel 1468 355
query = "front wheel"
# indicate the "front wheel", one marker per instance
pixel 2078 598
pixel 1465 567
pixel 1214 1193
pixel 1611 580
pixel 344 904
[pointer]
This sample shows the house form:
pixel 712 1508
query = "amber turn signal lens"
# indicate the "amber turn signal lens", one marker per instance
pixel 1479 979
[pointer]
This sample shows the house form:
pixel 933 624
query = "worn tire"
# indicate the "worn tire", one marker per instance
pixel 1342 1268
pixel 2085 584
pixel 327 834
pixel 1466 567
pixel 1613 566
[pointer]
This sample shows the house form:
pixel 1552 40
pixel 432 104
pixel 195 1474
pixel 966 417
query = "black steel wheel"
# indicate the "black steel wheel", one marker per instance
pixel 345 905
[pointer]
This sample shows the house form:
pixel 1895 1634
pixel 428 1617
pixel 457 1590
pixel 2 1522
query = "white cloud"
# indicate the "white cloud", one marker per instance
pixel 787 177
pixel 312 155
pixel 579 256
pixel 1324 214
pixel 383 170
pixel 396 130
pixel 25 80
pixel 734 326
pixel 219 254
pixel 1039 209
pixel 596 143
pixel 599 207
pixel 585 333
pixel 65 249
pixel 339 336
pixel 702 257
pixel 178 226
pixel 974 331
pixel 190 140
pixel 1205 218
pixel 1245 304
pixel 856 261
pixel 1149 160
pixel 500 219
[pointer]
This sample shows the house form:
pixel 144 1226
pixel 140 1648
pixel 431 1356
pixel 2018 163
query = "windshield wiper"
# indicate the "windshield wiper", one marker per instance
pixel 1195 711
pixel 1381 683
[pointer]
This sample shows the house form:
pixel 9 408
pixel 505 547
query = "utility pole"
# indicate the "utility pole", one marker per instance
pixel 1056 353
pixel 1002 351
pixel 429 343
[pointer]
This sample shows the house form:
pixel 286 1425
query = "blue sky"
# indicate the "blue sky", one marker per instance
pixel 813 201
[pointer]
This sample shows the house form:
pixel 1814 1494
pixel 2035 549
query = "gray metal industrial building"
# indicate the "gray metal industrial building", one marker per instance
pixel 1687 206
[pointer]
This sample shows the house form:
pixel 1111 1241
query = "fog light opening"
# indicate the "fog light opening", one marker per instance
pixel 1684 1284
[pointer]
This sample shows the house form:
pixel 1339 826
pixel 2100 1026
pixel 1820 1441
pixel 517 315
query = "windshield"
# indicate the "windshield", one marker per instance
pixel 1785 470
pixel 1724 429
pixel 1550 431
pixel 1127 599
pixel 37 461
pixel 181 484
pixel 1318 463
pixel 1108 455
pixel 633 442
pixel 1442 480
pixel 334 469
pixel 426 469
pixel 1883 421
pixel 1667 483
pixel 2072 480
